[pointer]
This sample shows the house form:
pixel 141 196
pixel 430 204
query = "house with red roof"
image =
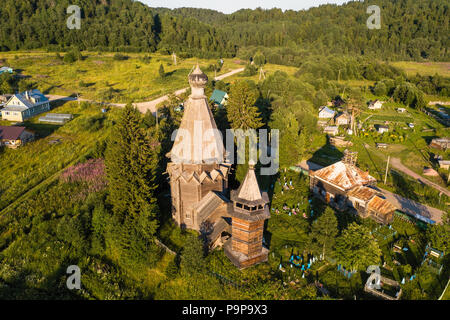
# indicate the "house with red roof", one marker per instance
pixel 14 137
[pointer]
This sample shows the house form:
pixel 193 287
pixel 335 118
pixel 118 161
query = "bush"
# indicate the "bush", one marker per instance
pixel 93 123
pixel 72 56
pixel 120 57
pixel 250 70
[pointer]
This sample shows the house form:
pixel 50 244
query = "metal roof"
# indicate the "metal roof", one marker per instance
pixel 218 96
pixel 381 205
pixel 11 132
pixel 327 110
pixel 362 193
pixel 344 175
pixel 25 98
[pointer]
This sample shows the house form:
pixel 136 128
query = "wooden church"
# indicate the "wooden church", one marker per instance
pixel 198 172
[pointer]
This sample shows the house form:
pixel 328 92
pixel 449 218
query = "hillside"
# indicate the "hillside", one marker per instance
pixel 411 30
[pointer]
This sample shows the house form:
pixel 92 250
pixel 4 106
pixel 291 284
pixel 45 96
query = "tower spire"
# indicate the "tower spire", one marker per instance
pixel 198 139
pixel 249 190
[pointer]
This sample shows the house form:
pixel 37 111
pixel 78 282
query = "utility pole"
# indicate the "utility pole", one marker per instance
pixel 353 126
pixel 174 57
pixel 261 73
pixel 156 118
pixel 448 175
pixel 387 168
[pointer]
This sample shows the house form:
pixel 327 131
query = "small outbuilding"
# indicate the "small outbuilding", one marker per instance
pixel 375 105
pixel 331 130
pixel 219 98
pixel 14 137
pixel 326 113
pixel 440 143
pixel 382 129
pixel 444 164
pixel 342 119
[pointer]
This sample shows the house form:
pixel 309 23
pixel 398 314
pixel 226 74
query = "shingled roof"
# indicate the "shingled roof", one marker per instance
pixel 198 139
pixel 344 175
pixel 249 192
pixel 209 203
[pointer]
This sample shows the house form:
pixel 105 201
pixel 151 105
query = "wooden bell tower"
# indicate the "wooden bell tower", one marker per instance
pixel 250 211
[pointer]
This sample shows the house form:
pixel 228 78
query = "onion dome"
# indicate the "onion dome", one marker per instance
pixel 198 79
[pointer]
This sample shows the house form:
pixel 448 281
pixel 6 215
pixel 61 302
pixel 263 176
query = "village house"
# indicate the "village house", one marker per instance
pixel 14 137
pixel 219 98
pixel 342 119
pixel 326 113
pixel 25 105
pixel 401 110
pixel 444 164
pixel 344 186
pixel 331 130
pixel 382 128
pixel 440 143
pixel 375 105
pixel 199 187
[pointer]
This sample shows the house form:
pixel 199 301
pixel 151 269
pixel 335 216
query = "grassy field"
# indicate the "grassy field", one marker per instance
pixel 424 68
pixel 99 77
pixel 55 148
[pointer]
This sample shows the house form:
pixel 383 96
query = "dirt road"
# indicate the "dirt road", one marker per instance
pixel 149 105
pixel 397 164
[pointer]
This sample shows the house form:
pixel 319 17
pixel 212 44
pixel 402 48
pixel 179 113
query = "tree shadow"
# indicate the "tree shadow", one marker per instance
pixel 380 174
pixel 326 155
pixel 403 187
pixel 53 288
pixel 42 130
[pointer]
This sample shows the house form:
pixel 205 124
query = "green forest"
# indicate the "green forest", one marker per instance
pixel 410 30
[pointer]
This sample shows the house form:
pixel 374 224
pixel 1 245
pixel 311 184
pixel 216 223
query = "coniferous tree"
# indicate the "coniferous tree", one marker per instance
pixel 241 109
pixel 323 233
pixel 161 71
pixel 131 164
